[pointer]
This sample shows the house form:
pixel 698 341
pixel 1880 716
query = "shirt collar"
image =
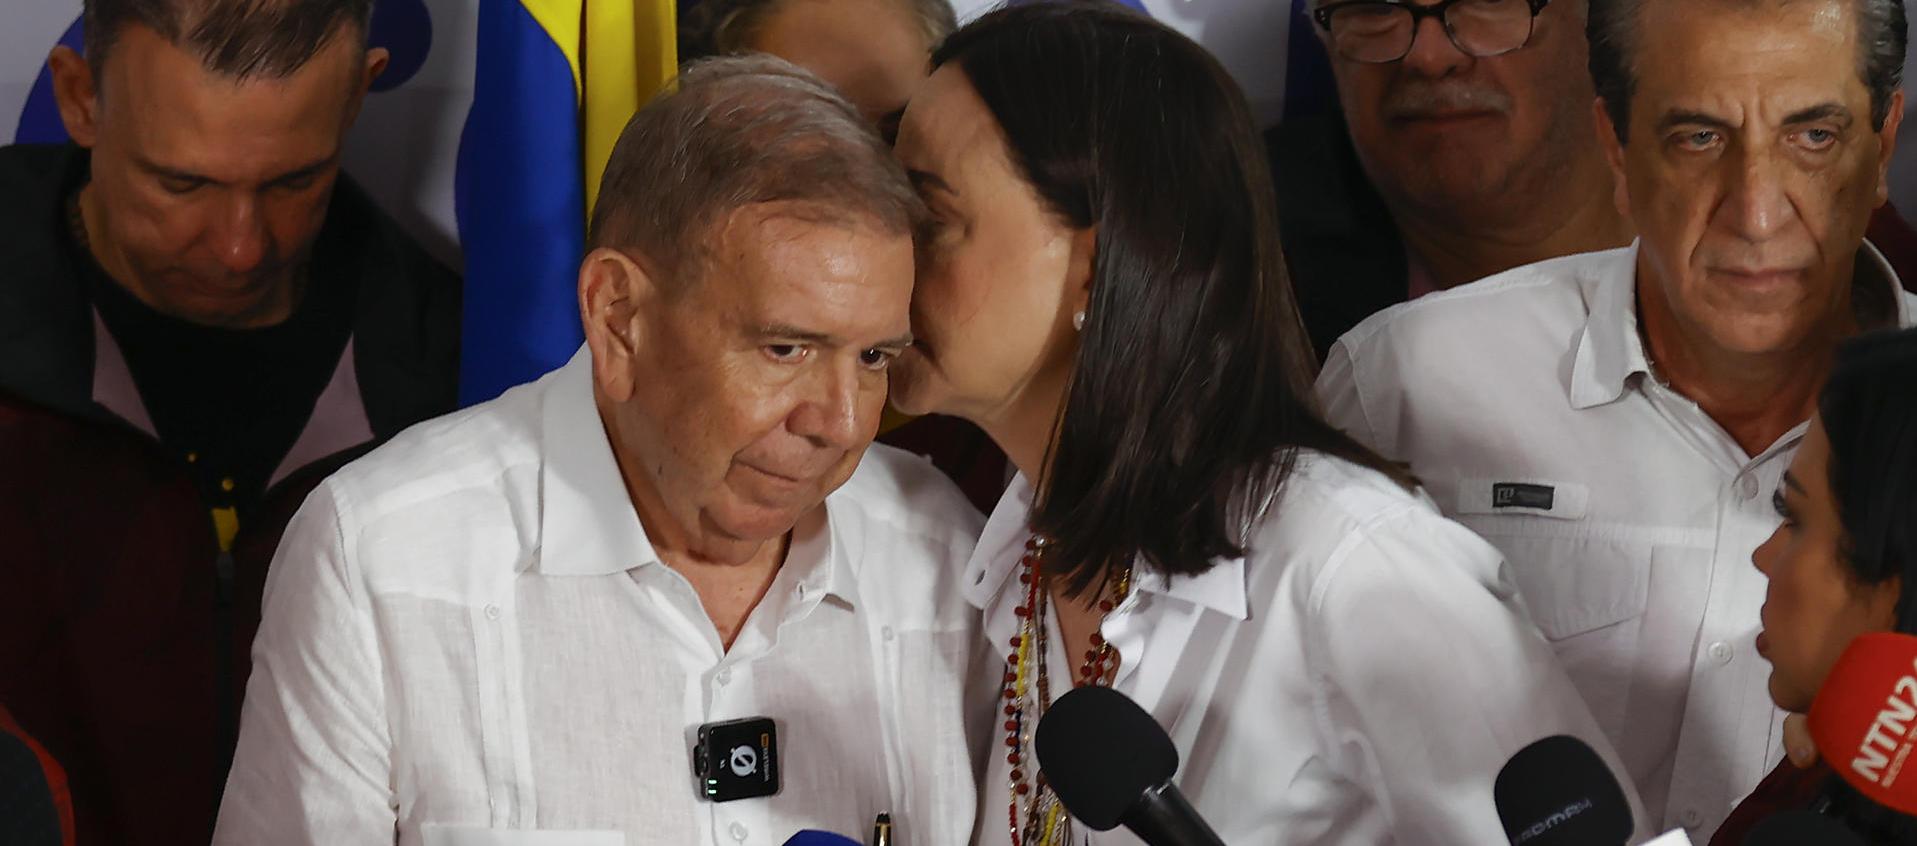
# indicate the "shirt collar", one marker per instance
pixel 1221 588
pixel 815 560
pixel 1002 543
pixel 587 525
pixel 1611 350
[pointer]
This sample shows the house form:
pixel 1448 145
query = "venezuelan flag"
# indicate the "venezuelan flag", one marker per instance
pixel 556 82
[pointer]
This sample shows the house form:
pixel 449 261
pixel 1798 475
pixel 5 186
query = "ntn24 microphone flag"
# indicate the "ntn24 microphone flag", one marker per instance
pixel 1864 719
pixel 556 81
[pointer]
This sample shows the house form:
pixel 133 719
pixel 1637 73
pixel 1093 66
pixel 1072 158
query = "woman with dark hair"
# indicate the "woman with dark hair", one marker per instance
pixel 1842 564
pixel 1103 293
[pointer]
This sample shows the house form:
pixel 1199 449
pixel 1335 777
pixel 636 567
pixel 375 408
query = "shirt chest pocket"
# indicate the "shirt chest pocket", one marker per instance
pixel 1574 581
pixel 1586 592
pixel 1574 586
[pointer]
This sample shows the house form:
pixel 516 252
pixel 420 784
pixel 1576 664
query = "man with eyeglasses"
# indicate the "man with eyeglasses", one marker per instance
pixel 1470 151
pixel 1616 422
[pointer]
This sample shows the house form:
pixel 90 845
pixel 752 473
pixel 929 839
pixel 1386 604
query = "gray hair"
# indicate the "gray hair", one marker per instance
pixel 1882 35
pixel 735 132
pixel 725 27
pixel 242 39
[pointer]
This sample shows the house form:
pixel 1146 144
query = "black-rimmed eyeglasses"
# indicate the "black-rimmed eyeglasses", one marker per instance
pixel 1378 31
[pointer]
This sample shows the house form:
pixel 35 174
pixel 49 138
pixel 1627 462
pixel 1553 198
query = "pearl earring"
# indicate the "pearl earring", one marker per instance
pixel 1078 320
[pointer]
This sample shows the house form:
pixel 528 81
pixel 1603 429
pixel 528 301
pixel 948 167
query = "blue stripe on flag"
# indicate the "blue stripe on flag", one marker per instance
pixel 40 116
pixel 521 206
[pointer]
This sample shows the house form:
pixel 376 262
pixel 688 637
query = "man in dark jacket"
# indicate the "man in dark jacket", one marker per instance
pixel 199 318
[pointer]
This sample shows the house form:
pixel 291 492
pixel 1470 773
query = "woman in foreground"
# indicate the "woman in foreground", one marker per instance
pixel 1842 564
pixel 1102 292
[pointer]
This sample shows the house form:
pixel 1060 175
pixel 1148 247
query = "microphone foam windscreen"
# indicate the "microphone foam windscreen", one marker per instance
pixel 1796 828
pixel 1100 751
pixel 29 816
pixel 1863 716
pixel 1558 792
pixel 812 837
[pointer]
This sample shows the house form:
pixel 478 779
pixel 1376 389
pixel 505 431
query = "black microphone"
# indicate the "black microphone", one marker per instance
pixel 27 792
pixel 1111 764
pixel 1793 828
pixel 1558 792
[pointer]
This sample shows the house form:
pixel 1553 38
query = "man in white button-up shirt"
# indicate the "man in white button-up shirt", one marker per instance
pixel 508 625
pixel 1615 422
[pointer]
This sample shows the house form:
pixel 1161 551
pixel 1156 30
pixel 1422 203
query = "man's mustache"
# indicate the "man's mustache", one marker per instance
pixel 1414 98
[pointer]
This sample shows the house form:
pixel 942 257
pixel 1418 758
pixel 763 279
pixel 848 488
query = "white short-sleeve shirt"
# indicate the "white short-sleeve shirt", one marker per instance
pixel 1359 677
pixel 467 638
pixel 1526 405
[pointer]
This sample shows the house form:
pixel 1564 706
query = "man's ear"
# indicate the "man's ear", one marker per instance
pixel 612 289
pixel 1887 141
pixel 1613 155
pixel 77 94
pixel 377 59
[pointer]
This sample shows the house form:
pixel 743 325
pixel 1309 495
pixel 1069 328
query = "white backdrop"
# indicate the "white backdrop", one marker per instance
pixel 403 148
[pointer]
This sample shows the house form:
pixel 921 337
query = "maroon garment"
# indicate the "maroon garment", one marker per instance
pixel 111 625
pixel 1787 788
pixel 1895 238
pixel 961 450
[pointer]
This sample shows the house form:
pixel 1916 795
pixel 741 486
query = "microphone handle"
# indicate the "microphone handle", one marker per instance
pixel 1162 817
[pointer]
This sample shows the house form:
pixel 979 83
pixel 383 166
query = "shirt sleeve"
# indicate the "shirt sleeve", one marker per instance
pixel 1339 394
pixel 313 763
pixel 1434 677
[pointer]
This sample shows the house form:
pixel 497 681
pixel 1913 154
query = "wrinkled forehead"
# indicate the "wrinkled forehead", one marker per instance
pixel 166 104
pixel 1748 56
pixel 823 262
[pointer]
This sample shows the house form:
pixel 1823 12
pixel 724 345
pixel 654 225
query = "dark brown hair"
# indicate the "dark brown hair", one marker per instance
pixel 243 39
pixel 1191 393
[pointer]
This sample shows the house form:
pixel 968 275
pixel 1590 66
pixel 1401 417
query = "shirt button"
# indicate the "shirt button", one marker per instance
pixel 492 612
pixel 886 633
pixel 1692 818
pixel 738 832
pixel 802 590
pixel 1747 488
pixel 724 676
pixel 1721 652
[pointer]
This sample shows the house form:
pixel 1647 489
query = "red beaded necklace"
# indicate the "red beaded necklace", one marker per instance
pixel 1045 822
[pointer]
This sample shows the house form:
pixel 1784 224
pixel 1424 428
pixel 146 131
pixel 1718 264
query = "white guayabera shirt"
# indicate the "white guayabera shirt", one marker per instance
pixel 468 639
pixel 1527 406
pixel 1359 677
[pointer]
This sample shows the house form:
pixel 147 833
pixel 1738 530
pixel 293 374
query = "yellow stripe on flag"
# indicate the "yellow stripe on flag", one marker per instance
pixel 630 52
pixel 560 19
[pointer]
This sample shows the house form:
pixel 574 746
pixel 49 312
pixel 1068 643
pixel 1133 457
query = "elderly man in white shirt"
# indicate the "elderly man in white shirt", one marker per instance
pixel 1615 422
pixel 509 625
